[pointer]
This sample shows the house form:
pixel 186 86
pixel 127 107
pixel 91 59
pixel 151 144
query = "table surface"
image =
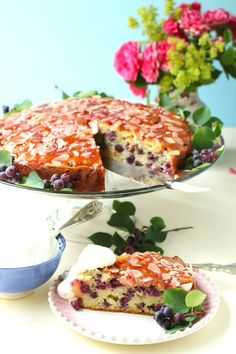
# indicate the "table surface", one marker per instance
pixel 28 325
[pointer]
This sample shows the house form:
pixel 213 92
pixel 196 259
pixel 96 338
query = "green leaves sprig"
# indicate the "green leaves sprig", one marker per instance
pixel 187 303
pixel 145 238
pixel 82 94
pixel 18 107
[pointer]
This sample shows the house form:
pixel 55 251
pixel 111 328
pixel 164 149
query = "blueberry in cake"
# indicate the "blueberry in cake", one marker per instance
pixel 70 136
pixel 128 283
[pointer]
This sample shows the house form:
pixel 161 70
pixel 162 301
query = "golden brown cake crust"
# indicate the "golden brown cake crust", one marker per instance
pixel 57 137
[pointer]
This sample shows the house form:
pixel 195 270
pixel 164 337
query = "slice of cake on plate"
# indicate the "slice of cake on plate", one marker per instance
pixel 135 283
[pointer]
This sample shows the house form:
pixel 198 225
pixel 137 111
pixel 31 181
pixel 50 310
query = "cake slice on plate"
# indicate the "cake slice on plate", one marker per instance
pixel 135 283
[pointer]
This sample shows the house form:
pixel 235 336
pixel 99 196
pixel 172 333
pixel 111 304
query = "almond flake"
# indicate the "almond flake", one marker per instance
pixel 154 268
pixel 187 286
pixel 177 139
pixel 146 280
pixel 169 140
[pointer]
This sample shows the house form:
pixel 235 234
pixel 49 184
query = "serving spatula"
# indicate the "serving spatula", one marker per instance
pixel 140 175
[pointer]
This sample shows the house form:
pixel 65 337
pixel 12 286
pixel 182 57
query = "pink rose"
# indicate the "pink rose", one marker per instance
pixel 162 48
pixel 150 64
pixel 196 6
pixel 215 17
pixel 191 22
pixel 127 60
pixel 170 26
pixel 138 91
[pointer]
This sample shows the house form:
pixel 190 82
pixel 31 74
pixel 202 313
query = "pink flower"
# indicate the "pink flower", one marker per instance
pixel 170 26
pixel 191 22
pixel 162 48
pixel 194 6
pixel 127 60
pixel 150 63
pixel 232 170
pixel 215 17
pixel 138 91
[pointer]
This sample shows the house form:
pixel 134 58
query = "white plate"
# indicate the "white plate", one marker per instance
pixel 123 328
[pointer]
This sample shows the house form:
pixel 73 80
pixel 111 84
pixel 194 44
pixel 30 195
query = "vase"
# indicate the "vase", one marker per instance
pixel 189 100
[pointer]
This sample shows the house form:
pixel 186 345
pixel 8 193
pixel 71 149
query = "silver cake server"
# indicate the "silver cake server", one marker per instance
pixel 214 267
pixel 140 175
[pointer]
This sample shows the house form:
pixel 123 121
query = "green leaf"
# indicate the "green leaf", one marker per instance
pixel 203 138
pixel 179 327
pixel 227 35
pixel 85 94
pixel 64 95
pixel 157 236
pixel 227 57
pixel 124 207
pixel 122 221
pixel 216 125
pixel 140 82
pixel 118 241
pixel 149 245
pixel 164 100
pixel 231 70
pixel 22 106
pixel 5 157
pixel 190 318
pixel 186 114
pixel 32 180
pixel 157 223
pixel 175 298
pixel 220 150
pixel 102 239
pixel 194 298
pixel 201 115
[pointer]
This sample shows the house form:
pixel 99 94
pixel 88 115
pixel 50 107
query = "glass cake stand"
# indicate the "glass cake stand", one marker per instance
pixel 70 209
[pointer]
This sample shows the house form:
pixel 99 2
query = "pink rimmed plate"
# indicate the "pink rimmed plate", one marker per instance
pixel 123 328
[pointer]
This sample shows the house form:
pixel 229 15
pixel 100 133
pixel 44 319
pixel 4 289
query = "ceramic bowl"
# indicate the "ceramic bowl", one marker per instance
pixel 19 282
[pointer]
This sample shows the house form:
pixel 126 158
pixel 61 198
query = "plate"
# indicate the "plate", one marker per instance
pixel 123 328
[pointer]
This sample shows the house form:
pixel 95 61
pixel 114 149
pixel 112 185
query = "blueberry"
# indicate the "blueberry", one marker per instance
pixel 115 283
pixel 93 294
pixel 65 177
pixel 84 288
pixel 167 323
pixel 46 184
pixel 119 148
pixel 159 317
pixel 5 109
pixel 11 171
pixel 76 304
pixel 197 163
pixel 129 249
pixel 3 176
pixel 124 301
pixel 58 184
pixel 111 136
pixel 179 317
pixel 3 167
pixel 130 159
pixel 138 163
pixel 167 311
pixel 54 178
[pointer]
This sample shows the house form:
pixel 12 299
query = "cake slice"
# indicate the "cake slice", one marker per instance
pixel 128 283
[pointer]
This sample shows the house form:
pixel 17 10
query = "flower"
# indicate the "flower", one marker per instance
pixel 138 91
pixel 170 26
pixel 127 60
pixel 215 17
pixel 150 63
pixel 181 51
pixel 191 22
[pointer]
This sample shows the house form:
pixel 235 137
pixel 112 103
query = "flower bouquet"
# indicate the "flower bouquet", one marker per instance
pixel 188 49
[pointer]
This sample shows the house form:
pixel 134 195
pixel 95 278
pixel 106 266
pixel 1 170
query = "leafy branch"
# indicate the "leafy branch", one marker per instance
pixel 144 238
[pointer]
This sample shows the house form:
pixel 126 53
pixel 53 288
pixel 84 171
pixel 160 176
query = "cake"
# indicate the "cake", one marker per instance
pixel 133 283
pixel 73 134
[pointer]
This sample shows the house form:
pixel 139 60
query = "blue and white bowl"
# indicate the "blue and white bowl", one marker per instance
pixel 19 282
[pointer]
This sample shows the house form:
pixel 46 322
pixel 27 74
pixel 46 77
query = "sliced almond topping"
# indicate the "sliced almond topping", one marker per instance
pixel 177 139
pixel 165 263
pixel 187 286
pixel 165 276
pixel 146 280
pixel 61 158
pixel 154 268
pixel 169 140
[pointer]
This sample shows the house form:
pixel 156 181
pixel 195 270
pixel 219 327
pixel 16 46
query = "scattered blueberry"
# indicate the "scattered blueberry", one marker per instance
pixel 10 171
pixel 3 176
pixel 58 184
pixel 65 177
pixel 84 288
pixel 54 178
pixel 3 167
pixel 5 109
pixel 130 159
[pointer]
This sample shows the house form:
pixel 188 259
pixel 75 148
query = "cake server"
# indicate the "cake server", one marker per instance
pixel 214 267
pixel 140 175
